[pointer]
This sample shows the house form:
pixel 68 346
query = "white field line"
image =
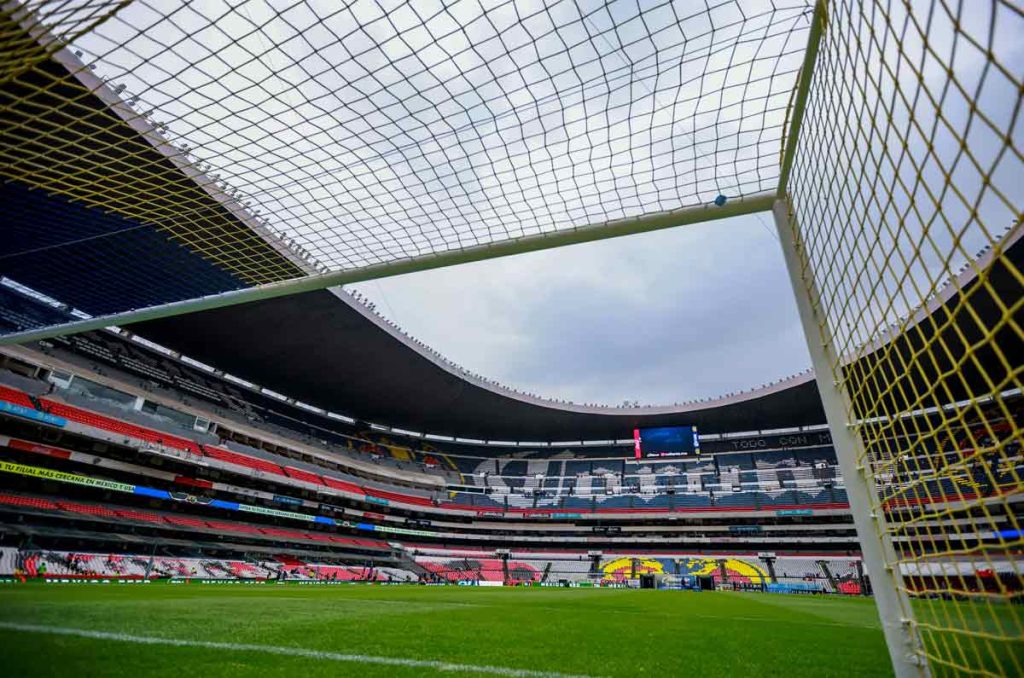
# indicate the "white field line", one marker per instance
pixel 288 652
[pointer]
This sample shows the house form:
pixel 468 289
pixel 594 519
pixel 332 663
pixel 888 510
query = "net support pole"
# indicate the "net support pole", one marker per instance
pixel 901 633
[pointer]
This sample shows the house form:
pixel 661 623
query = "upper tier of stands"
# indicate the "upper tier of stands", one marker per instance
pixel 776 481
pixel 772 479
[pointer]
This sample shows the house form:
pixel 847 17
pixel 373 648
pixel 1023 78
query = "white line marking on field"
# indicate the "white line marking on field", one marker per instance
pixel 289 652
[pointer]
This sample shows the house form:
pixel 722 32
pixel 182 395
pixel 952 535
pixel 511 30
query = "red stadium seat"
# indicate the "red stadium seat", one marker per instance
pixel 343 485
pixel 16 397
pixel 30 502
pixel 299 474
pixel 232 527
pixel 88 509
pixel 395 496
pixel 242 460
pixel 112 425
pixel 186 521
pixel 287 534
pixel 139 515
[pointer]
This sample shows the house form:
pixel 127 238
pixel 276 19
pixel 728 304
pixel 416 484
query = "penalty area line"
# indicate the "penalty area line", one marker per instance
pixel 300 652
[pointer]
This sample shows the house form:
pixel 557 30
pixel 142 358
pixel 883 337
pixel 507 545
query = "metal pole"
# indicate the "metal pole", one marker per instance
pixel 760 202
pixel 894 609
pixel 803 88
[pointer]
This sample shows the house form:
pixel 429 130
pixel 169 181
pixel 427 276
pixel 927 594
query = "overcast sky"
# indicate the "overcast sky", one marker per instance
pixel 662 317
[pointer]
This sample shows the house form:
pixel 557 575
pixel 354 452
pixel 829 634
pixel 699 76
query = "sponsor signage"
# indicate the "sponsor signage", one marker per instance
pixel 244 582
pixel 38 448
pixel 60 476
pixel 415 522
pixel 189 498
pixel 795 512
pixel 275 512
pixel 395 530
pixel 27 413
pixel 84 580
pixel 330 508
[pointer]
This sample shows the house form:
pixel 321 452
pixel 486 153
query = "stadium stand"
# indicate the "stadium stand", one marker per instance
pixel 588 491
pixel 774 479
pixel 182 474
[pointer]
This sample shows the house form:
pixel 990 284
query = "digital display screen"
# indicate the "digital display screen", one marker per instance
pixel 666 441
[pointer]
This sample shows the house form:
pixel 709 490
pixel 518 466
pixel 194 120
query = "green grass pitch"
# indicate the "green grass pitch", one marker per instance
pixel 578 631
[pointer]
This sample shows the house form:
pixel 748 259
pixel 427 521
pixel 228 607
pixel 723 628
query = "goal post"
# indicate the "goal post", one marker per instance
pixel 893 604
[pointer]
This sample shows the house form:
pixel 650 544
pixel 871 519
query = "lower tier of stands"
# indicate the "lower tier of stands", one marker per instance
pixel 825 574
pixel 814 574
pixel 36 563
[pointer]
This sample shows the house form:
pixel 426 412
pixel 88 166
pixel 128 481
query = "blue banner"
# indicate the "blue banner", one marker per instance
pixel 150 492
pixel 745 529
pixel 794 587
pixel 28 413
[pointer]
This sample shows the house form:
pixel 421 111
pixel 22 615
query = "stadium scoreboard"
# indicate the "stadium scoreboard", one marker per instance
pixel 666 442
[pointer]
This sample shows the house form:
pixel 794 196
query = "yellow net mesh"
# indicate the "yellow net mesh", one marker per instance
pixel 906 192
pixel 65 132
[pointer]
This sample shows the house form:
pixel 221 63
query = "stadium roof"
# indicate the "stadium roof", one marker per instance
pixel 337 355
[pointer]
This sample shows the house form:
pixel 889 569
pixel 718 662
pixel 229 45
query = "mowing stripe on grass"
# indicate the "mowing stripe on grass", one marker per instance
pixel 289 652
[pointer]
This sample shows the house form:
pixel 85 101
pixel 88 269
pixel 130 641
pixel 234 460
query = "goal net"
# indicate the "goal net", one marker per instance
pixel 281 140
pixel 153 153
pixel 906 196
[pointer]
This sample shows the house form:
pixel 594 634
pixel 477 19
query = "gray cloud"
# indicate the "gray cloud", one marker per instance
pixel 692 312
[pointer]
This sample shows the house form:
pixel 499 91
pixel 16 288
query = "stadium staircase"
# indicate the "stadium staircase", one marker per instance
pixel 406 562
pixel 833 584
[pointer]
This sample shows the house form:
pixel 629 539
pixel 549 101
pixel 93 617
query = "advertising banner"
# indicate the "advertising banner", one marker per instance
pixel 60 476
